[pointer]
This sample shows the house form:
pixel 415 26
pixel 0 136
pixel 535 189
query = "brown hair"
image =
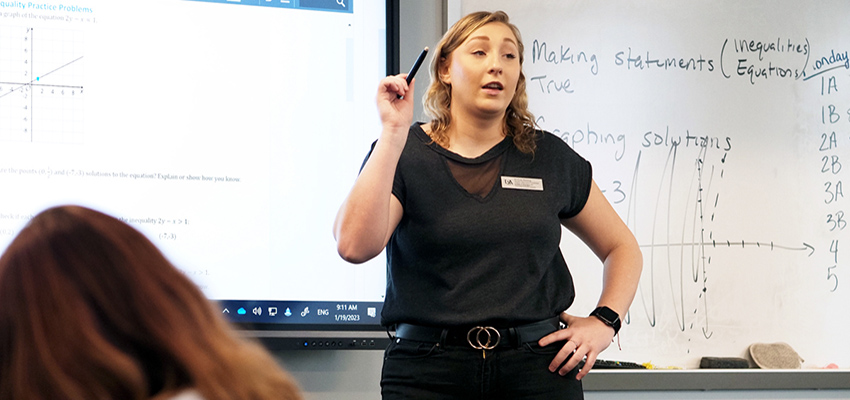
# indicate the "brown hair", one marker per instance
pixel 90 309
pixel 519 122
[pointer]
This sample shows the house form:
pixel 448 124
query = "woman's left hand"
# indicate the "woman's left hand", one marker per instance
pixel 586 337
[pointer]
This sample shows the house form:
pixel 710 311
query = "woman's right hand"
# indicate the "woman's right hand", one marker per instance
pixel 396 113
pixel 370 213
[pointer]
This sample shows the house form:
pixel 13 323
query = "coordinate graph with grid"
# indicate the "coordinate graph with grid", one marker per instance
pixel 41 85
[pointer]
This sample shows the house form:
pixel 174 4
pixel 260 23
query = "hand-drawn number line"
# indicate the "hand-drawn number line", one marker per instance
pixel 742 244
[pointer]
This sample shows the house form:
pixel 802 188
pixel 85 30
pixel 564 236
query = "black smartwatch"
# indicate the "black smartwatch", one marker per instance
pixel 608 316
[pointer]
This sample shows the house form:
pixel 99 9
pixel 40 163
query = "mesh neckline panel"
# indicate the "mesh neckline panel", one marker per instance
pixel 477 179
pixel 479 175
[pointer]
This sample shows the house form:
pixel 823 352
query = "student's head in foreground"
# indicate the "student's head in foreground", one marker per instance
pixel 91 309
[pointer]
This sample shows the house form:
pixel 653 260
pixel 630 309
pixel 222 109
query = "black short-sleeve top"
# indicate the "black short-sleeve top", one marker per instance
pixel 467 252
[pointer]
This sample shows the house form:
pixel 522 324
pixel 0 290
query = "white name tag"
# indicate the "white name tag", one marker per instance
pixel 513 182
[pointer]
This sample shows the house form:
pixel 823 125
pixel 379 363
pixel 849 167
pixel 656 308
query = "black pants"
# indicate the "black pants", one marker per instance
pixel 419 370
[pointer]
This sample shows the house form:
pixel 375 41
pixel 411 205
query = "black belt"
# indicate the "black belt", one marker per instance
pixel 479 337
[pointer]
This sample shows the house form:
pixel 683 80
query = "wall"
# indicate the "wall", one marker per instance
pixel 421 25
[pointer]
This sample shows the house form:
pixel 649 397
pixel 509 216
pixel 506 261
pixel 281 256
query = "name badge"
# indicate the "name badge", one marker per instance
pixel 513 182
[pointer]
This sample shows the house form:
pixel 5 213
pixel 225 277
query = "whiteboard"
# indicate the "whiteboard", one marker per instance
pixel 720 132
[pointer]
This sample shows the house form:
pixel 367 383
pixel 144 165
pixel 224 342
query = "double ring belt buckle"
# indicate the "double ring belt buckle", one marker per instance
pixel 483 337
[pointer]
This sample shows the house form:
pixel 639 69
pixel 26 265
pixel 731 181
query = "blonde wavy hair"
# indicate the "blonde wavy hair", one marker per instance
pixel 518 123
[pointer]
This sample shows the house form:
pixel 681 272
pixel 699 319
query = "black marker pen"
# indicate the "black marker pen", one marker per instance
pixel 415 67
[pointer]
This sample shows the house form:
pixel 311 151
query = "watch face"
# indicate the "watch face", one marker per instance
pixel 609 317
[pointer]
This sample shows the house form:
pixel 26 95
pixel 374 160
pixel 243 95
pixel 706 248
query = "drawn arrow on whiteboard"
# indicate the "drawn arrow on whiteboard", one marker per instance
pixel 742 244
